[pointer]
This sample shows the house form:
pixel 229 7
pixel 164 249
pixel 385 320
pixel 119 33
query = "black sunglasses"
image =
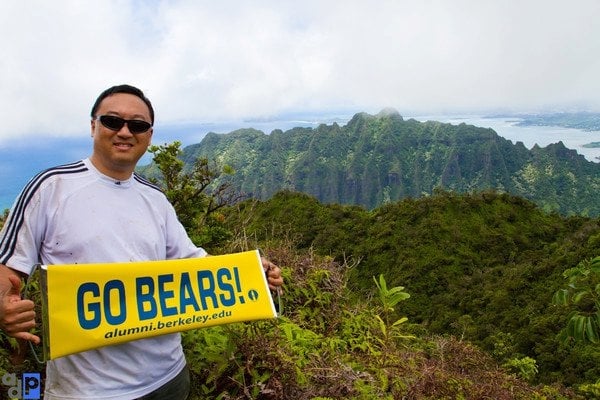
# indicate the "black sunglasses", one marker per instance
pixel 116 123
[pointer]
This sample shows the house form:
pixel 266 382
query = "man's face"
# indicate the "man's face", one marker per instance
pixel 116 153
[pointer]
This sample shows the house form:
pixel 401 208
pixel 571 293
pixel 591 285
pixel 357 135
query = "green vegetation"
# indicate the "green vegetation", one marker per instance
pixel 582 294
pixel 447 296
pixel 482 267
pixel 192 193
pixel 375 160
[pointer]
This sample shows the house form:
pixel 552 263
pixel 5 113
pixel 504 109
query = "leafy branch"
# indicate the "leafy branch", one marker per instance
pixel 582 296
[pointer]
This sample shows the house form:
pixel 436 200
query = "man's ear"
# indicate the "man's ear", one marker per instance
pixel 92 127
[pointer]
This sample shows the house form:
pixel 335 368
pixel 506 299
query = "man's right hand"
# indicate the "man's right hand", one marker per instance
pixel 17 315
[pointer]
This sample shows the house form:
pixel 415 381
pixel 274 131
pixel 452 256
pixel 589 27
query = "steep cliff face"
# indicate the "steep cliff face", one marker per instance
pixel 380 158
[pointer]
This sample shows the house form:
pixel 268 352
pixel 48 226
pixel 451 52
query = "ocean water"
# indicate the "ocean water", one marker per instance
pixel 21 160
pixel 508 128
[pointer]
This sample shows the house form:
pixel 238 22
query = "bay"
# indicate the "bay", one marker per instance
pixel 508 128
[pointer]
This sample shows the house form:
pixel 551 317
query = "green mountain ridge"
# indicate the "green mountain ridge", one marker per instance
pixel 378 159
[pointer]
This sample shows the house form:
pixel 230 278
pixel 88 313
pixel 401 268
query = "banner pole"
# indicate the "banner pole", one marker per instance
pixel 37 271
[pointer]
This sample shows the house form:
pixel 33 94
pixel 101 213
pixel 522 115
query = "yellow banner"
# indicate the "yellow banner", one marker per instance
pixel 95 305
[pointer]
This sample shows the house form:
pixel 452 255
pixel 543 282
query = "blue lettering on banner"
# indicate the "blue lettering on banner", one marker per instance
pixel 166 294
pixel 93 308
pixel 146 304
pixel 223 276
pixel 157 297
pixel 208 290
pixel 186 294
pixel 120 288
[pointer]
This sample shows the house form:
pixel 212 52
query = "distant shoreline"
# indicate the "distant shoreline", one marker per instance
pixel 584 121
pixel 592 145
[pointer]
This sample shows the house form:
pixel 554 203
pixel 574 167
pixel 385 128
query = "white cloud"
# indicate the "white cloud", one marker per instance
pixel 207 61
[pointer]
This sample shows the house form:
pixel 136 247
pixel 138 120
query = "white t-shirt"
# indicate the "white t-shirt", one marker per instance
pixel 74 214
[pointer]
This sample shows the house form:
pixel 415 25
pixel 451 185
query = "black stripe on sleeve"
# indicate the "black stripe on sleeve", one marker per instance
pixel 146 182
pixel 16 218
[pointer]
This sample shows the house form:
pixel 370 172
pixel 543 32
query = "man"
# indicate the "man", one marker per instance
pixel 96 211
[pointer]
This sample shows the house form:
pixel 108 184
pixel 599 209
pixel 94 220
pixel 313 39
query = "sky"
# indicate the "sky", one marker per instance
pixel 213 61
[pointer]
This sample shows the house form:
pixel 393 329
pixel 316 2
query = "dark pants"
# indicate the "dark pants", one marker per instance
pixel 177 388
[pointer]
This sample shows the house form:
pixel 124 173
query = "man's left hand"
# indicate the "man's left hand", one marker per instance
pixel 273 272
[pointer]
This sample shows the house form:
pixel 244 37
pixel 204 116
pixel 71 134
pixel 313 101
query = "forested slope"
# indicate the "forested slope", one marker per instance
pixel 482 267
pixel 479 268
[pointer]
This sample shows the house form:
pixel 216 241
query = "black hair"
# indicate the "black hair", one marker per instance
pixel 123 89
